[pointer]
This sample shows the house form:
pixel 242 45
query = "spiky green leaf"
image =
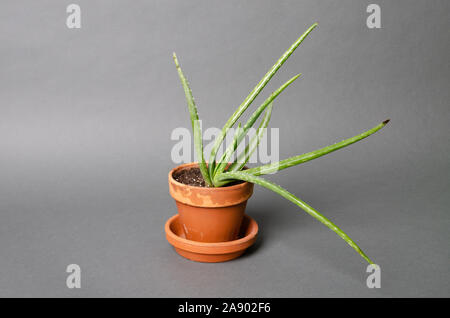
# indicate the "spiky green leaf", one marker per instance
pixel 244 176
pixel 246 103
pixel 296 160
pixel 196 127
pixel 223 162
pixel 253 144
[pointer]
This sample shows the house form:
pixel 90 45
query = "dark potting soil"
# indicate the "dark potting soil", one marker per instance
pixel 193 177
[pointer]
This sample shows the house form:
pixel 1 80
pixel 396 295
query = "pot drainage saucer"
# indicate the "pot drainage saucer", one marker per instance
pixel 211 252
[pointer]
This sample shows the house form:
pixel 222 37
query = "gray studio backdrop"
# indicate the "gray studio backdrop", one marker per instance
pixel 85 122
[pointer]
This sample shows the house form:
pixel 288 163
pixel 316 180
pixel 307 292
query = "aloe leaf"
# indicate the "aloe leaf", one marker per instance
pixel 253 144
pixel 296 160
pixel 246 103
pixel 198 142
pixel 241 175
pixel 243 158
pixel 231 148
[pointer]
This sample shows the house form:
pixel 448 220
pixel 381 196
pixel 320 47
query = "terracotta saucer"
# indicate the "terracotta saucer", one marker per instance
pixel 211 252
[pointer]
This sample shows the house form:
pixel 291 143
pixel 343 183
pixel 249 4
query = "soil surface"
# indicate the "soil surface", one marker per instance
pixel 193 177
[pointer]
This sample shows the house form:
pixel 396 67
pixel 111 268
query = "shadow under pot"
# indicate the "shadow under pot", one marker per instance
pixel 209 214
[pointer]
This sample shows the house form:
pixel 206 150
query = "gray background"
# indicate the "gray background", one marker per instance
pixel 85 123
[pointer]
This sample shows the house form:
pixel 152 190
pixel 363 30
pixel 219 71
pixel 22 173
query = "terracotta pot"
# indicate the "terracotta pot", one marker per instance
pixel 209 214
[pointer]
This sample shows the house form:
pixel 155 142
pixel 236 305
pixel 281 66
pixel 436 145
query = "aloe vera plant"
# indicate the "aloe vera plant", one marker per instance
pixel 219 172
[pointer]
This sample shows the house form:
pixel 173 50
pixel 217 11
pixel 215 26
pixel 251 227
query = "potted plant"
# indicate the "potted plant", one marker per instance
pixel 211 197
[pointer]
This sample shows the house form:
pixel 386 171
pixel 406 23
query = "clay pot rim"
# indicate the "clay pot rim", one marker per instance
pixel 211 248
pixel 217 189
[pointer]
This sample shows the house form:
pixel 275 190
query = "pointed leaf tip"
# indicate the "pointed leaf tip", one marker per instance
pixel 386 121
pixel 175 59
